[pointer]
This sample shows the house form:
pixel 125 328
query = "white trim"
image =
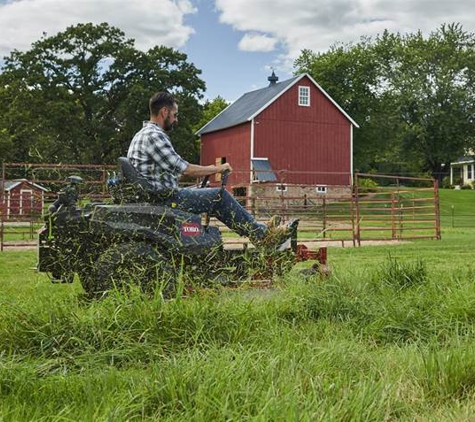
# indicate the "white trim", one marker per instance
pixel 307 88
pixel 252 151
pixel 351 155
pixel 8 204
pixel 462 162
pixel 290 86
pixel 470 169
pixel 252 139
pixel 321 192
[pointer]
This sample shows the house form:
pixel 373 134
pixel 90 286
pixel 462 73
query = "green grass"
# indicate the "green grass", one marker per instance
pixel 457 208
pixel 389 336
pixel 21 233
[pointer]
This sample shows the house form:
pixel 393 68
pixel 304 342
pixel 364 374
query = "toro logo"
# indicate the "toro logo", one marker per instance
pixel 190 229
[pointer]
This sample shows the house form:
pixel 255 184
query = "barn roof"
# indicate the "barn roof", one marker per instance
pixel 249 105
pixel 11 184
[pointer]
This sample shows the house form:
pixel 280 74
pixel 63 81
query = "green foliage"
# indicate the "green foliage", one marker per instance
pixel 367 185
pixel 211 109
pixel 80 95
pixel 412 97
pixel 446 183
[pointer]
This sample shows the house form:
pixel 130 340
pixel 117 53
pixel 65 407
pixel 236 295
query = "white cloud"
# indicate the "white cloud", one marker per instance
pixel 149 22
pixel 317 24
pixel 257 43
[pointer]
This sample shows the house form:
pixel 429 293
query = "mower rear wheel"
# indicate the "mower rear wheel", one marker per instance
pixel 134 263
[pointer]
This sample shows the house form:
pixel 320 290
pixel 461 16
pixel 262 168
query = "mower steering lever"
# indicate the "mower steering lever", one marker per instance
pixel 204 182
pixel 224 180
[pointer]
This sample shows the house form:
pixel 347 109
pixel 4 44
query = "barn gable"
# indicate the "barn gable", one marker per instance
pixel 251 104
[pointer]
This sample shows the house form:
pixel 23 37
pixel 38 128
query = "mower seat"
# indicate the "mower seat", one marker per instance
pixel 132 176
pixel 134 187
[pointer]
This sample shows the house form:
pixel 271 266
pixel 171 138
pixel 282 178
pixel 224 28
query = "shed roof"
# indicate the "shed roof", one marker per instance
pixel 249 105
pixel 11 184
pixel 464 160
pixel 262 170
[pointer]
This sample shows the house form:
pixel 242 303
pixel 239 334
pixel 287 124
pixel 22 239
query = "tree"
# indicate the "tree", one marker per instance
pixel 413 97
pixel 80 95
pixel 350 73
pixel 434 83
pixel 211 108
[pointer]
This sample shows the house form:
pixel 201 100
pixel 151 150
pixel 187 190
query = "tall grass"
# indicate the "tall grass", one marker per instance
pixel 389 336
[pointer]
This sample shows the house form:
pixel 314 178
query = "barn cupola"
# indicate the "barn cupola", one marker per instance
pixel 272 79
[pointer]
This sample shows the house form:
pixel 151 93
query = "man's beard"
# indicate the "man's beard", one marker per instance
pixel 167 126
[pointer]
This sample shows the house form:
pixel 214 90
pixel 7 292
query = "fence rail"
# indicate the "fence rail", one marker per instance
pixel 375 207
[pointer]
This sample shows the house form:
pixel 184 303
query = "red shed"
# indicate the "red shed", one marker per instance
pixel 294 126
pixel 22 198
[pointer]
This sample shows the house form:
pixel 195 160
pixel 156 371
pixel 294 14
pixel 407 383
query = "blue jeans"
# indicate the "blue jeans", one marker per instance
pixel 221 204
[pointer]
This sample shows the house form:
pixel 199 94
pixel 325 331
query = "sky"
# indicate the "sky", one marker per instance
pixel 236 43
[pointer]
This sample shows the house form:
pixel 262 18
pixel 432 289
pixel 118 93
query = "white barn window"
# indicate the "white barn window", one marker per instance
pixel 321 189
pixel 304 96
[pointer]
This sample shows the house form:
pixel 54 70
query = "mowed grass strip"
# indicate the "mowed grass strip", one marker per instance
pixel 389 336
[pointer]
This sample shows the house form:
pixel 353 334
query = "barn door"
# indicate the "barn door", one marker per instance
pixel 26 202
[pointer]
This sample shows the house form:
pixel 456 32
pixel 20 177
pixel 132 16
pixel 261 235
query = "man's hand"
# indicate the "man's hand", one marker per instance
pixel 225 167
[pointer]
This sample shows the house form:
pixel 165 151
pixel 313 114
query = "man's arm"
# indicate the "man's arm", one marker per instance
pixel 195 170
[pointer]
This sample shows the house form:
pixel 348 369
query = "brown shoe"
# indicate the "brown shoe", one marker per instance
pixel 274 221
pixel 275 236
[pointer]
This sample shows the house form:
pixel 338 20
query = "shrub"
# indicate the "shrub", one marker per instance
pixel 367 185
pixel 446 183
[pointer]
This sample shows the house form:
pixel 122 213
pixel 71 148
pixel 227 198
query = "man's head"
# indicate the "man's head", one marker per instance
pixel 163 110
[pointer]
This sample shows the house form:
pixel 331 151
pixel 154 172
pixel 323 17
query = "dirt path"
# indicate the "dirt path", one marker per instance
pixel 237 243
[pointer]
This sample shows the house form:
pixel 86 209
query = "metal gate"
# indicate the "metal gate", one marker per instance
pixel 373 208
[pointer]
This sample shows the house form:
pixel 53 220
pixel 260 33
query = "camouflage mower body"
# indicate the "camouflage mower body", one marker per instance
pixel 135 239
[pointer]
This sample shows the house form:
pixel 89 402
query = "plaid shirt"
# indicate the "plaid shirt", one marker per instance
pixel 152 154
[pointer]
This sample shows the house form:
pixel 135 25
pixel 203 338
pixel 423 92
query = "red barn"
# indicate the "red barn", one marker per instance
pixel 22 198
pixel 292 131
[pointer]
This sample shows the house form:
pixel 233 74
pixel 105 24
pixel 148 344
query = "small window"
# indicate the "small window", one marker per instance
pixel 470 171
pixel 240 194
pixel 281 188
pixel 321 189
pixel 304 96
